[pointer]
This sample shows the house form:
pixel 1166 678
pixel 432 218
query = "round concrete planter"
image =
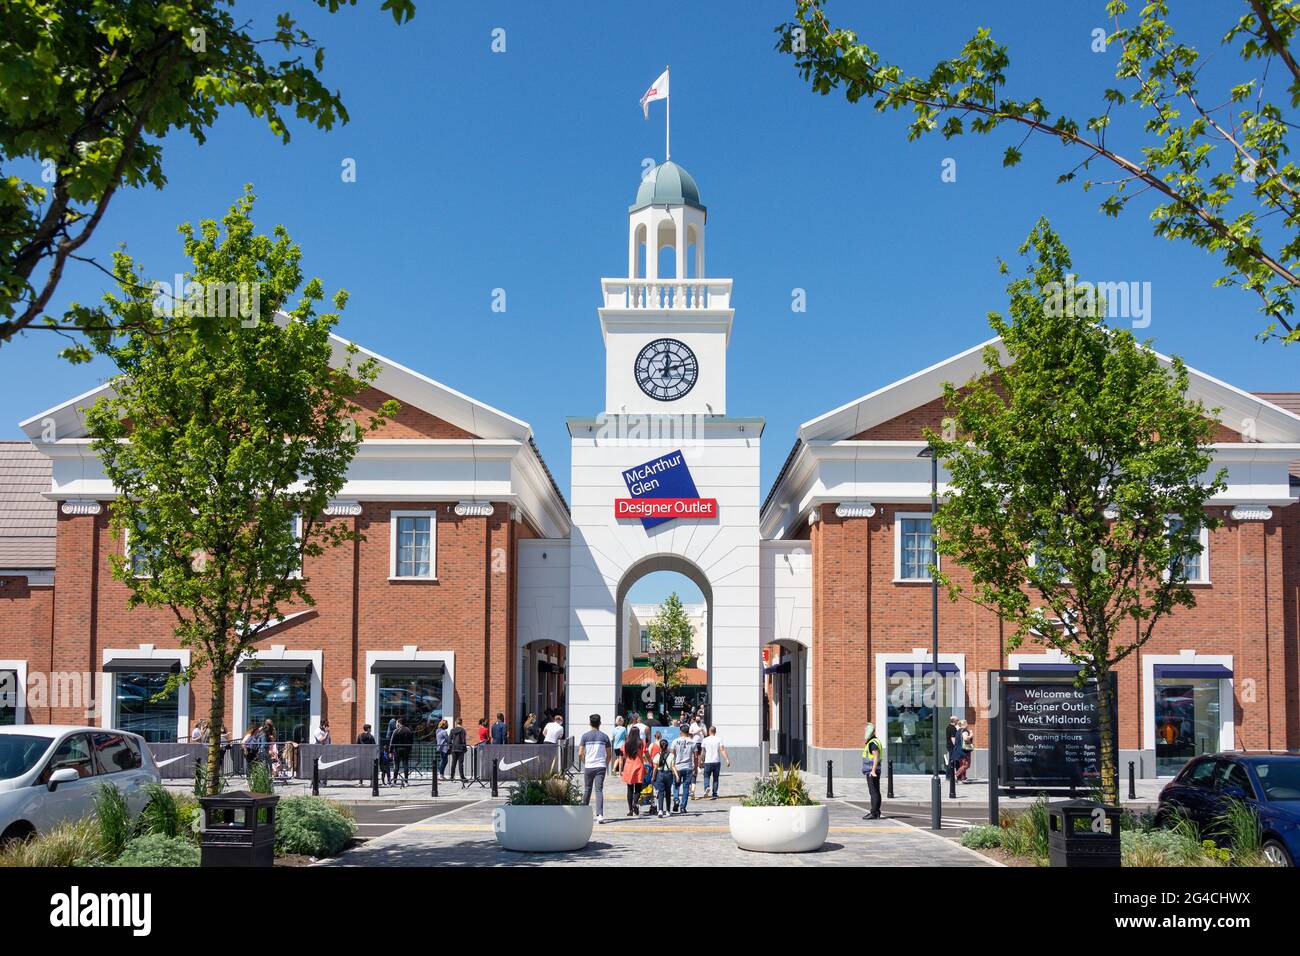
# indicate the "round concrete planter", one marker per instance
pixel 542 829
pixel 780 829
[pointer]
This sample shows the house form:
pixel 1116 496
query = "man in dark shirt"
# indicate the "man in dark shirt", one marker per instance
pixel 500 732
pixel 457 746
pixel 402 741
pixel 365 737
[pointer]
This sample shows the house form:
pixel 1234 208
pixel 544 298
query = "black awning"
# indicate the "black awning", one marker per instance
pixel 407 667
pixel 274 667
pixel 143 665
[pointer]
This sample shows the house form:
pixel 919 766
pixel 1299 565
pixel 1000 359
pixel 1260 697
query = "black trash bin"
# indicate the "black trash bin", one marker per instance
pixel 238 829
pixel 1082 833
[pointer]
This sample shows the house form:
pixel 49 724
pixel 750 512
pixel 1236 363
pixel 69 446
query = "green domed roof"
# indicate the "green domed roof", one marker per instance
pixel 667 185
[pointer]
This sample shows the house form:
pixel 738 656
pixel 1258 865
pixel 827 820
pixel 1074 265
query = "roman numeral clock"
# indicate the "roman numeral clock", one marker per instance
pixel 666 369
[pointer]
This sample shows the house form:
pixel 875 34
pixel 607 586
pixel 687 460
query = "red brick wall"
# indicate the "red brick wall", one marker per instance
pixel 26 628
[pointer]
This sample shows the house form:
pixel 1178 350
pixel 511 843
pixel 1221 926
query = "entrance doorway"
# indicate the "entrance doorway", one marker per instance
pixel 785 674
pixel 541 681
pixel 641 599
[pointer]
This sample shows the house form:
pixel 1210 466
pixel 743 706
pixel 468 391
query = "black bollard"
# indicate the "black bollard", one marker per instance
pixel 889 771
pixel 495 761
pixel 952 781
pixel 1132 783
pixel 830 780
pixel 433 787
pixel 315 776
pixel 374 779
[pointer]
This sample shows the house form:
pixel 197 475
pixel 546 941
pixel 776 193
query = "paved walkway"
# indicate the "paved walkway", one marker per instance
pixel 464 837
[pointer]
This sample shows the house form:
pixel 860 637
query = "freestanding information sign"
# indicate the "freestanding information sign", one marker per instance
pixel 1046 733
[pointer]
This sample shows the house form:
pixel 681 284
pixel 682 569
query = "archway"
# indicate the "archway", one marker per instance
pixel 635 687
pixel 785 686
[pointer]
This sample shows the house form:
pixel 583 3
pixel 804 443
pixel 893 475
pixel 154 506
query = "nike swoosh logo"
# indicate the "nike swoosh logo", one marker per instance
pixel 505 765
pixel 163 763
pixel 326 764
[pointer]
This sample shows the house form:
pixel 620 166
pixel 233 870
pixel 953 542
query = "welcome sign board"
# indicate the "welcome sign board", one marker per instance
pixel 662 489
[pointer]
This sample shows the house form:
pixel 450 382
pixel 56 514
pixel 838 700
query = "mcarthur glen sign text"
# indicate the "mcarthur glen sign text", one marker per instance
pixel 663 489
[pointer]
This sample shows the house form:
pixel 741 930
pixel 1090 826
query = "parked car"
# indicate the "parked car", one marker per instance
pixel 48 774
pixel 1267 782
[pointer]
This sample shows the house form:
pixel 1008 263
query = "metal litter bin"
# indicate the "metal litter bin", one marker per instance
pixel 238 829
pixel 1082 833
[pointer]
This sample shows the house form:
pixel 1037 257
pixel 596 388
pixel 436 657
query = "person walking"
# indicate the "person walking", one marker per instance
pixel 530 729
pixel 618 739
pixel 500 730
pixel 950 736
pixel 955 752
pixel 697 737
pixel 873 754
pixel 386 752
pixel 457 745
pixel 683 751
pixel 441 743
pixel 966 743
pixel 634 771
pixel 713 753
pixel 365 737
pixel 403 740
pixel 641 726
pixel 593 760
pixel 554 731
pixel 661 769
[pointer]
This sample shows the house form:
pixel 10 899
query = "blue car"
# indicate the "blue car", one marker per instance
pixel 1268 782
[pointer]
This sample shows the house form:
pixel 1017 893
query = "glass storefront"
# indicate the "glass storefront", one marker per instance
pixel 1188 718
pixel 135 707
pixel 413 698
pixel 913 694
pixel 8 697
pixel 284 699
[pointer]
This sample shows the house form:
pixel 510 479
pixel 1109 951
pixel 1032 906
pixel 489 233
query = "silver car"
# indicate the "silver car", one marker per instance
pixel 49 774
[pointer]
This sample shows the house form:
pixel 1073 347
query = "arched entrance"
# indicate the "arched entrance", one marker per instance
pixel 643 696
pixel 785 683
pixel 541 679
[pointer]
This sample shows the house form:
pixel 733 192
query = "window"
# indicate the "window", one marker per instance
pixel 414 698
pixel 283 699
pixel 1187 713
pixel 74 752
pixel 913 693
pixel 413 534
pixel 115 753
pixel 913 548
pixel 1199 774
pixel 645 640
pixel 1193 568
pixel 139 558
pixel 295 526
pixel 8 697
pixel 138 712
pixel 1233 774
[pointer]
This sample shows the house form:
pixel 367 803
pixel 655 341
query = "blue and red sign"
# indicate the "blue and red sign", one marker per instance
pixel 662 489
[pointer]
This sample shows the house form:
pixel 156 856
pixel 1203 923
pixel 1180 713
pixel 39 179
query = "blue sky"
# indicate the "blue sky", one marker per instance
pixel 479 170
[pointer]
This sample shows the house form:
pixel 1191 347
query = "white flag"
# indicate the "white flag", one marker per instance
pixel 658 91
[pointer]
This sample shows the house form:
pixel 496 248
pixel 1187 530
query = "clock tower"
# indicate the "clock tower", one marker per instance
pixel 666 334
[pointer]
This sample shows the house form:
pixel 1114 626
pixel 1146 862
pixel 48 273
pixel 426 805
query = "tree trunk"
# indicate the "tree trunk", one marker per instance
pixel 1106 719
pixel 216 718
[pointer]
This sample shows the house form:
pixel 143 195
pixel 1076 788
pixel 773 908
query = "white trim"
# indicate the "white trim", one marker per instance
pixel 20 667
pixel 81 506
pixel 474 509
pixel 899 518
pixel 855 509
pixel 126 553
pixel 917 656
pixel 276 652
pixel 1252 513
pixel 296 573
pixel 393 517
pixel 410 652
pixel 1227 697
pixel 343 509
pixel 108 710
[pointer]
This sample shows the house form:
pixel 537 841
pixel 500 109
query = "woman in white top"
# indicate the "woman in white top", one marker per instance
pixel 323 734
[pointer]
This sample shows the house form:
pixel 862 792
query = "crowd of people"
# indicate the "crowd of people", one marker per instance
pixel 661 774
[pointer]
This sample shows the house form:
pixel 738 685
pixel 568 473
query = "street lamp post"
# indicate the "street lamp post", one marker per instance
pixel 936 787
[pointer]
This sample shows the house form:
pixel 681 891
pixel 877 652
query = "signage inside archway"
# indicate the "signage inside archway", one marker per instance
pixel 1051 736
pixel 662 489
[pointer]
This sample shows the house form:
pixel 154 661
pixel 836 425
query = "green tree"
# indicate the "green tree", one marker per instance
pixel 1067 465
pixel 1216 160
pixel 225 438
pixel 669 636
pixel 87 91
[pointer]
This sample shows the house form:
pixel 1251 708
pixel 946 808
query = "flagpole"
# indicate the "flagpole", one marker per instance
pixel 668 117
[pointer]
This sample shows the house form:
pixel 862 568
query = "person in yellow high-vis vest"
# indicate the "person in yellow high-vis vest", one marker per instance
pixel 873 758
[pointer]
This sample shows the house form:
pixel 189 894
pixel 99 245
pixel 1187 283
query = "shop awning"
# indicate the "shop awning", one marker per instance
pixel 274 667
pixel 1192 670
pixel 913 668
pixel 1051 668
pixel 781 667
pixel 640 676
pixel 406 667
pixel 143 665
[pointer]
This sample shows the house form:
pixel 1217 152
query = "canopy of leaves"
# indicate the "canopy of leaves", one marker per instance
pixel 669 635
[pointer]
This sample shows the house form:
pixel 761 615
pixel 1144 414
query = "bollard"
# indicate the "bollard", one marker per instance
pixel 889 771
pixel 374 779
pixel 495 761
pixel 830 780
pixel 315 776
pixel 1132 784
pixel 952 781
pixel 433 787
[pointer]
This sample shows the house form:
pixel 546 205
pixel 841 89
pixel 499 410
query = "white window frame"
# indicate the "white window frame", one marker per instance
pixel 410 652
pixel 393 522
pixel 899 518
pixel 1227 723
pixel 278 652
pixel 108 712
pixel 130 560
pixel 1204 557
pixel 918 657
pixel 19 667
pixel 296 573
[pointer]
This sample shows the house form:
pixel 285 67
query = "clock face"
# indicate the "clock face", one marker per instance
pixel 666 369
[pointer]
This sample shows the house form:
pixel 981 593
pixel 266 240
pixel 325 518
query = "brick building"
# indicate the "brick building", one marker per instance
pixel 478 589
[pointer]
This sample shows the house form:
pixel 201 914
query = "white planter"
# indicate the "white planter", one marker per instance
pixel 780 829
pixel 542 829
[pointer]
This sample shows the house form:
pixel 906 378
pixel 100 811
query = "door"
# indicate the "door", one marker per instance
pixel 74 799
pixel 118 762
pixel 1193 791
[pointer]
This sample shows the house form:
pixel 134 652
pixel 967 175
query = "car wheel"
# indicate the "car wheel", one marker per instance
pixel 16 832
pixel 1276 853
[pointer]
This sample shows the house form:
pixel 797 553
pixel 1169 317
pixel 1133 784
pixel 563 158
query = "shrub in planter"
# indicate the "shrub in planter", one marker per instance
pixel 68 844
pixel 783 788
pixel 159 850
pixel 545 790
pixel 311 826
pixel 543 814
pixel 779 816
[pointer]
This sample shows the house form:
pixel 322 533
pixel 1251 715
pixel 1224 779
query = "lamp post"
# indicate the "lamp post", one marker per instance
pixel 936 787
